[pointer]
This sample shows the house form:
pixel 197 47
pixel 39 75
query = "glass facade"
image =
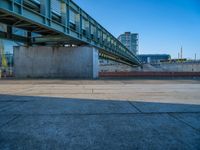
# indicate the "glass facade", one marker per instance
pixel 130 40
pixel 153 58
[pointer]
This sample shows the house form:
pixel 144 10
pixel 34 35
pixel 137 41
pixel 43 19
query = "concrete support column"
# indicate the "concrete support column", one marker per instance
pixel 56 62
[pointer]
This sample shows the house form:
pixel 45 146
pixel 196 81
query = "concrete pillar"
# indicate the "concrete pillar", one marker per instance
pixel 56 62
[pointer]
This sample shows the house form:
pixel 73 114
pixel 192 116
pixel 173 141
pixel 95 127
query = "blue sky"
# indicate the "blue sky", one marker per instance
pixel 163 25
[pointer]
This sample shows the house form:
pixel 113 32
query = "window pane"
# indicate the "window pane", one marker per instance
pixel 56 6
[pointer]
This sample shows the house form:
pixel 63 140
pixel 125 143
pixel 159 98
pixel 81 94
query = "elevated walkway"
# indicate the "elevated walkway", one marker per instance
pixel 59 22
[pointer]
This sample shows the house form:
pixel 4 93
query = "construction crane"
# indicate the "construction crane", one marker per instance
pixel 3 61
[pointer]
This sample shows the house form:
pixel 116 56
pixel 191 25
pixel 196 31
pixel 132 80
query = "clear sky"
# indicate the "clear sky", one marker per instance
pixel 163 25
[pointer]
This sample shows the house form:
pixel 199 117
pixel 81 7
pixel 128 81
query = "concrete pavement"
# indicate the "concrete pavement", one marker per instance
pixel 124 115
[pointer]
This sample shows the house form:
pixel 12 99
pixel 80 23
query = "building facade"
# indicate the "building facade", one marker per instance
pixel 153 58
pixel 130 40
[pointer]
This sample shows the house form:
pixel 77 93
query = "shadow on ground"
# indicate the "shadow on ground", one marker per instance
pixel 31 122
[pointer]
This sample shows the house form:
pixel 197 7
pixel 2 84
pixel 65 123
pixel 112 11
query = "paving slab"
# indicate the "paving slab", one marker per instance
pixel 99 115
pixel 100 132
pixel 192 119
pixel 6 106
pixel 155 107
pixel 5 119
pixel 47 105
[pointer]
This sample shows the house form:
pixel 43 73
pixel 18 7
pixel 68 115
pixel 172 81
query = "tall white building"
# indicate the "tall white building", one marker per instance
pixel 130 40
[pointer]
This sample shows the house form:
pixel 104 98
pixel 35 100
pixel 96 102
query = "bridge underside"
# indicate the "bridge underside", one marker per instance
pixel 36 34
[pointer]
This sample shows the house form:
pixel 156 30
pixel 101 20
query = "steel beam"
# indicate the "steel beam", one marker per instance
pixel 14 37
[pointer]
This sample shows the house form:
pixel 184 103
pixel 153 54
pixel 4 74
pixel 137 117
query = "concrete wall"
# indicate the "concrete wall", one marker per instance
pixel 182 67
pixel 110 66
pixel 59 62
pixel 118 68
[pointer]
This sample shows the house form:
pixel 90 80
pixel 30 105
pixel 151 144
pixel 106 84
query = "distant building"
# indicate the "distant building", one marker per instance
pixel 130 40
pixel 153 58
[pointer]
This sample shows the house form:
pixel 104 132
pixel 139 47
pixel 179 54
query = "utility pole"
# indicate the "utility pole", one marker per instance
pixel 181 53
pixel 195 56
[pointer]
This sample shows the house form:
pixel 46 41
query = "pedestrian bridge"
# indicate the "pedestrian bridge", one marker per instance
pixel 61 22
pixel 62 39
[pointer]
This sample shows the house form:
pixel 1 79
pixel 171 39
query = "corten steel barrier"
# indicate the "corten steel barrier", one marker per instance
pixel 149 74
